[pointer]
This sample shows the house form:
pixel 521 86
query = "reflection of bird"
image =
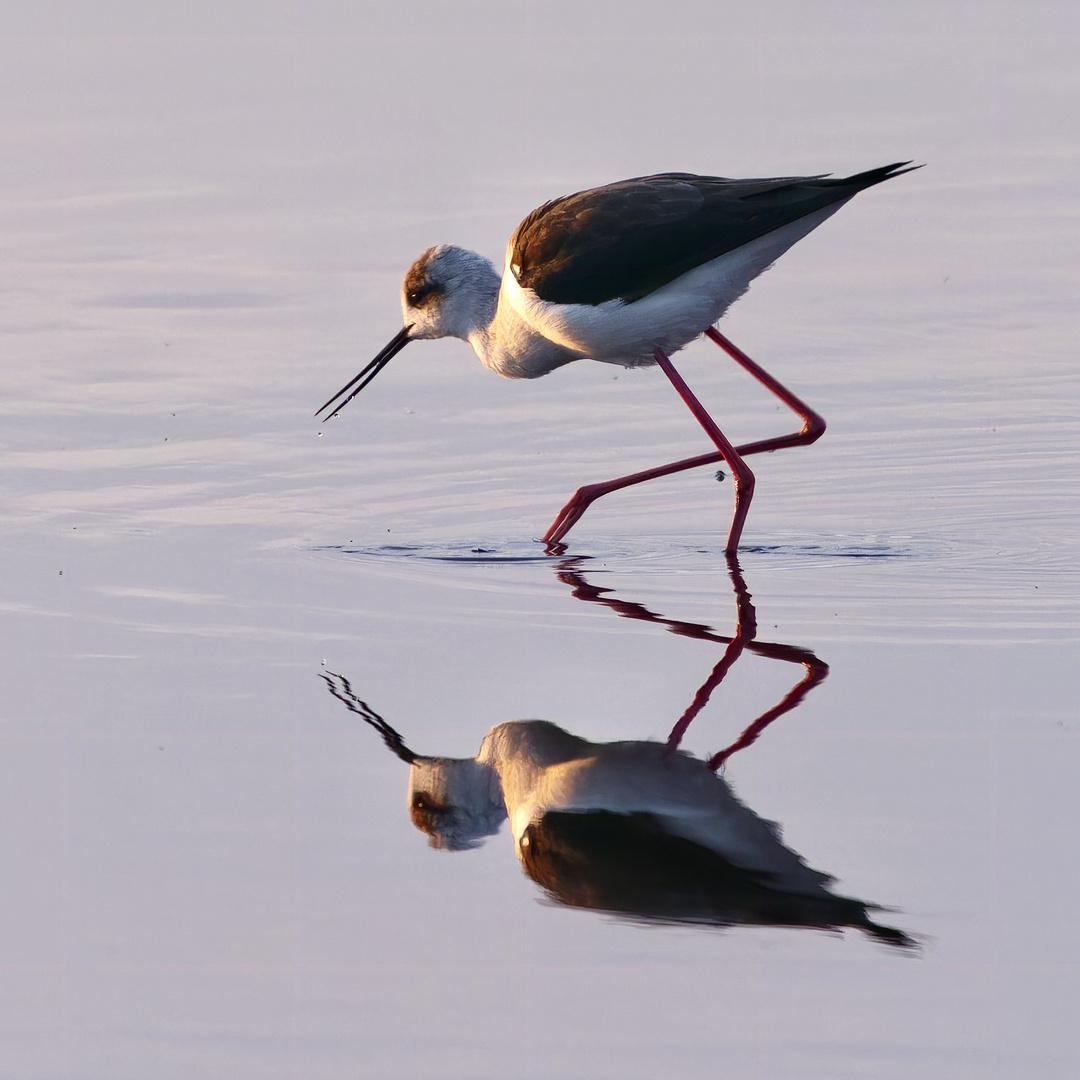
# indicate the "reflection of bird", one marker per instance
pixel 633 828
pixel 625 274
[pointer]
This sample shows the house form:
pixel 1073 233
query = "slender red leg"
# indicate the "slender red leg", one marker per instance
pixel 813 423
pixel 587 494
pixel 812 430
pixel 741 475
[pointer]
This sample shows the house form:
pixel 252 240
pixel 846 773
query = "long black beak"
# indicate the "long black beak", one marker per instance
pixel 391 350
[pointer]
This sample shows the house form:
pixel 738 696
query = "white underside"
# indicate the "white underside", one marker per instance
pixel 530 337
pixel 636 777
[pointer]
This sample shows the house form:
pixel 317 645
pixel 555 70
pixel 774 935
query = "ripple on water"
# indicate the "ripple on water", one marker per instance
pixel 655 554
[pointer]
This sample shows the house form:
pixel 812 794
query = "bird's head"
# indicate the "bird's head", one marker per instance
pixel 448 292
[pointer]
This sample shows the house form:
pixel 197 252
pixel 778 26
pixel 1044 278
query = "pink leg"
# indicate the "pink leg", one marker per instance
pixel 587 494
pixel 742 477
pixel 813 424
pixel 812 430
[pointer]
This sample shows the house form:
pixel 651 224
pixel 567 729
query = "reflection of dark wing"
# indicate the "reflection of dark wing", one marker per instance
pixel 628 864
pixel 626 240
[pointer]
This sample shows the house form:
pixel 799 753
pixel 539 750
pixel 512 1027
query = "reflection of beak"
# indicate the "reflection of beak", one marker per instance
pixel 396 344
pixel 344 693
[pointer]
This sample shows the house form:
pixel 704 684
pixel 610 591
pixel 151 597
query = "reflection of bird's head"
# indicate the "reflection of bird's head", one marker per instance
pixel 456 801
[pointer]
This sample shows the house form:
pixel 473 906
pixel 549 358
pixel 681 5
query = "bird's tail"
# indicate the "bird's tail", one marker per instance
pixel 876 176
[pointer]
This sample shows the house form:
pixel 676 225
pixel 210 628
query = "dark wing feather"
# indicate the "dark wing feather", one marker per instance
pixel 626 240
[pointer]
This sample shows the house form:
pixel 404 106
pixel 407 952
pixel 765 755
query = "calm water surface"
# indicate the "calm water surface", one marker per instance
pixel 209 867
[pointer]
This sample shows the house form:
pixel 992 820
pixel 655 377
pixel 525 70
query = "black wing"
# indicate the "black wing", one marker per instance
pixel 626 240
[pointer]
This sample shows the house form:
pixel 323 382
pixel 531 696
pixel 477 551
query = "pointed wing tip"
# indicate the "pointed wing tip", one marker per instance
pixel 877 176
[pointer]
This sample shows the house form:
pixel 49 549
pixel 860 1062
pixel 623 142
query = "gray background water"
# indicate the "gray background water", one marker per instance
pixel 206 867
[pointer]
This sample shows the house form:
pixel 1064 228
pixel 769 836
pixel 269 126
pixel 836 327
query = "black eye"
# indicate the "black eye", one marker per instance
pixel 419 295
pixel 421 800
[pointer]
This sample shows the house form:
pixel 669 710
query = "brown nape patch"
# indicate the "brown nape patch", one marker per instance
pixel 419 288
pixel 426 813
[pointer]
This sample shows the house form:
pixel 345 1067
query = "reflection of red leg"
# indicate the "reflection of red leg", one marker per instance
pixel 742 641
pixel 745 629
pixel 816 670
pixel 812 430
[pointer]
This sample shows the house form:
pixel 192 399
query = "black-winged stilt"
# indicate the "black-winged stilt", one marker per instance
pixel 626 274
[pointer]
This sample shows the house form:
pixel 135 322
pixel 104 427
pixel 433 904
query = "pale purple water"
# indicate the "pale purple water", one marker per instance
pixel 207 865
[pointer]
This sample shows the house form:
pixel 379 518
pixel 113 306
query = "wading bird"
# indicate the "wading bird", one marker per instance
pixel 628 274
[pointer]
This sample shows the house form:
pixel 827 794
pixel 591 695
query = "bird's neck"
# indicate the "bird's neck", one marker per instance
pixel 473 296
pixel 509 345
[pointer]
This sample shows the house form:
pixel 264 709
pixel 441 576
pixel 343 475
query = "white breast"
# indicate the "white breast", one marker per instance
pixel 681 792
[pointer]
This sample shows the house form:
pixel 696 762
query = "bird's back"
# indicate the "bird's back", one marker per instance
pixel 628 239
